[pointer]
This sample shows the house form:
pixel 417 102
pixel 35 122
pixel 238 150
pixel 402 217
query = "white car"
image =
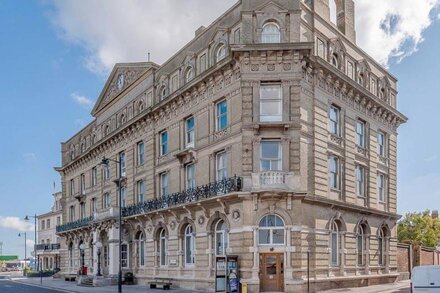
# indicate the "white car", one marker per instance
pixel 425 279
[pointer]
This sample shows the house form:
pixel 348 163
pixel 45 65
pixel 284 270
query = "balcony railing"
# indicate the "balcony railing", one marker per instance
pixel 210 190
pixel 74 225
pixel 270 180
pixel 214 189
pixel 47 247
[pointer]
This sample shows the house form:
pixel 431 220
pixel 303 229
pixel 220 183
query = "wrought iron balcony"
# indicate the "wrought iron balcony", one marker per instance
pixel 47 247
pixel 210 190
pixel 74 225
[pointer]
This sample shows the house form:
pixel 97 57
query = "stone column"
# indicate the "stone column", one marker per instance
pixel 387 254
pixel 113 251
pixel 209 253
pixel 95 252
pixel 367 254
pixel 255 268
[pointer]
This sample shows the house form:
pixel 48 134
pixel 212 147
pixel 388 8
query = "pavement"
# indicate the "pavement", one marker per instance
pixel 398 287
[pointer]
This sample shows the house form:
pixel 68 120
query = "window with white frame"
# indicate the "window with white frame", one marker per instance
pixel 72 213
pixel 48 223
pixel 381 144
pixel 190 174
pixel 360 181
pixel 189 75
pixel 373 87
pixel 164 191
pixel 83 183
pixel 381 187
pixel 334 172
pixel 335 120
pixel 361 140
pixel 335 61
pixel 271 230
pixel 221 113
pixel 140 153
pixel 334 243
pixel 140 189
pixel 163 247
pixel 43 225
pixel 106 173
pixel 270 155
pixel 271 33
pixel 271 103
pixel 320 48
pixel 163 143
pixel 221 238
pixel 189 245
pixel 123 192
pixel 141 249
pixel 107 200
pixel 220 53
pixel 163 93
pixel 189 132
pixel 72 187
pixel 221 165
pixel 382 246
pixel 360 245
pixel 122 164
pixel 350 69
pixel 94 176
pixel 93 206
pixel 124 255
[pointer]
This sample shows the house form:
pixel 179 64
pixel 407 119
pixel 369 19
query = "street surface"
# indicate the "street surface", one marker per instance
pixel 8 286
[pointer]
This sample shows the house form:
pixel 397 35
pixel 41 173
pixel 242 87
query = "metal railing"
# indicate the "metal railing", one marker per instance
pixel 74 225
pixel 47 247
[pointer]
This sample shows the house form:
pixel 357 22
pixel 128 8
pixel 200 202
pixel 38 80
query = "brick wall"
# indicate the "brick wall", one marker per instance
pixel 409 256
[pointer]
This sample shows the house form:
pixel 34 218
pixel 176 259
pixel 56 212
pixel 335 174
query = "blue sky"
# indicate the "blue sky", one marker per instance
pixel 56 56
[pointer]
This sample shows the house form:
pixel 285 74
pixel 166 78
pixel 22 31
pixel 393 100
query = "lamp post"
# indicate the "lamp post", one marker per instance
pixel 37 265
pixel 25 252
pixel 105 162
pixel 98 247
pixel 82 247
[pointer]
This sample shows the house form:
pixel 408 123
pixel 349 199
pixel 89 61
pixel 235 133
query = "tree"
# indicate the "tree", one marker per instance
pixel 419 228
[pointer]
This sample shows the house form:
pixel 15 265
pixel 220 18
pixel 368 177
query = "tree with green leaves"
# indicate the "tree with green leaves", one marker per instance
pixel 419 228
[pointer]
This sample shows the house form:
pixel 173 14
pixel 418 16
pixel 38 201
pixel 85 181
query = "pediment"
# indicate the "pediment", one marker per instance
pixel 121 78
pixel 271 7
pixel 219 34
pixel 337 45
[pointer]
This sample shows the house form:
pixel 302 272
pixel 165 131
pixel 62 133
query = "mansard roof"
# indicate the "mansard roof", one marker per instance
pixel 130 72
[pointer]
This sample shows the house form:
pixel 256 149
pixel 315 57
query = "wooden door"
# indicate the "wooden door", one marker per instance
pixel 271 272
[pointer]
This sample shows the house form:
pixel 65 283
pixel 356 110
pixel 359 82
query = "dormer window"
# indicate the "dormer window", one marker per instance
pixel 221 53
pixel 271 33
pixel 334 60
pixel 163 93
pixel 189 75
pixel 361 79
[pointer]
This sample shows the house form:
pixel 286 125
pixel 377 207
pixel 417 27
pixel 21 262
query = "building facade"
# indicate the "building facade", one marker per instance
pixel 270 136
pixel 48 242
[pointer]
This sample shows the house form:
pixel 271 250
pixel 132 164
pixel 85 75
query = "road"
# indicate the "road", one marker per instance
pixel 8 286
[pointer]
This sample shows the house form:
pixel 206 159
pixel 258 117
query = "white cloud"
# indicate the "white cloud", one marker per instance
pixel 392 30
pixel 114 31
pixel 82 100
pixel 30 243
pixel 15 223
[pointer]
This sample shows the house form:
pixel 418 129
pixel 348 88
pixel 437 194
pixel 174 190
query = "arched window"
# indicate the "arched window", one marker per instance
pixel 271 33
pixel 140 248
pixel 221 238
pixel 360 245
pixel 334 243
pixel 106 130
pixel 83 147
pixel 163 93
pixel 382 93
pixel 141 106
pixel 189 75
pixel 162 247
pixel 382 246
pixel 93 139
pixel 334 60
pixel 72 154
pixel 361 79
pixel 122 119
pixel 189 245
pixel 271 230
pixel 221 53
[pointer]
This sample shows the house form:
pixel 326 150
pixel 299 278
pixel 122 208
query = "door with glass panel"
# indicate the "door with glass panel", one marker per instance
pixel 271 272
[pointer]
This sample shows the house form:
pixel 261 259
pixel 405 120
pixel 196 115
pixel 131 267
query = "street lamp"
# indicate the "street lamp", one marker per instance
pixel 98 247
pixel 25 252
pixel 105 162
pixel 35 238
pixel 82 247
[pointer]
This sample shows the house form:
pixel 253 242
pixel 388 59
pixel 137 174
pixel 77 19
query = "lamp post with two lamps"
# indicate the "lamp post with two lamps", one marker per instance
pixel 106 163
pixel 99 247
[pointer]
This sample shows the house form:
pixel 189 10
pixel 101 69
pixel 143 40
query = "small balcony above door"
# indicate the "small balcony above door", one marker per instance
pixel 275 180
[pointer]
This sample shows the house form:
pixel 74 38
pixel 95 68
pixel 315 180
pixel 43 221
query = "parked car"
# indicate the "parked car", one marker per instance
pixel 425 279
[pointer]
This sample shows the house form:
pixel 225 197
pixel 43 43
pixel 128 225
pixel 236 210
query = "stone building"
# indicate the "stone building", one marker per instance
pixel 48 243
pixel 270 136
